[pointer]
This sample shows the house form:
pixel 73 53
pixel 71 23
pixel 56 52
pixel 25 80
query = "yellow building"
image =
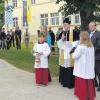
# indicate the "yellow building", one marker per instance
pixel 44 12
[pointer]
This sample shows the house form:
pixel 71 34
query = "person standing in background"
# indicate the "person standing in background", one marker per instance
pixel 18 34
pixel 3 39
pixel 27 38
pixel 95 38
pixel 58 33
pixel 44 30
pixel 52 38
pixel 76 34
pixel 8 40
pixel 12 38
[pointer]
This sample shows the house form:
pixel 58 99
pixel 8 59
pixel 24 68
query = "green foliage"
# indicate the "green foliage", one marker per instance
pixel 73 6
pixel 23 59
pixel 85 7
pixel 1 13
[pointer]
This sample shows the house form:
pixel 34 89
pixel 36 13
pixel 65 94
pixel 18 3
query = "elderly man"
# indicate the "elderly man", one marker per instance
pixel 95 37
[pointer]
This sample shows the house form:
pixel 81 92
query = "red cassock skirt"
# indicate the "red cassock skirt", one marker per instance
pixel 85 88
pixel 42 76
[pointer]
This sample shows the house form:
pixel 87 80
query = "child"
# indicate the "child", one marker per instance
pixel 44 30
pixel 41 51
pixel 66 78
pixel 84 68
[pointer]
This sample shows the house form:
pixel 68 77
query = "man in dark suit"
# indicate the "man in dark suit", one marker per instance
pixel 3 39
pixel 18 34
pixel 95 37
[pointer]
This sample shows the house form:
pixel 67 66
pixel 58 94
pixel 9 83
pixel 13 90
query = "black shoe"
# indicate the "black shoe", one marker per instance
pixel 64 85
pixel 96 83
pixel 98 89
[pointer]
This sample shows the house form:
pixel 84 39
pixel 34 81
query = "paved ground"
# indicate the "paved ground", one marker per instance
pixel 16 84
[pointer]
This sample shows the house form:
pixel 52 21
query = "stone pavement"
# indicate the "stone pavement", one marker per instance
pixel 16 84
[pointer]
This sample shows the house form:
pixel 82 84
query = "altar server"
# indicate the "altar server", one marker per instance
pixel 41 51
pixel 84 58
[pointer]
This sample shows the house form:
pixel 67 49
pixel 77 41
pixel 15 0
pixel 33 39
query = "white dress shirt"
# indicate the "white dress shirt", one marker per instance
pixel 91 34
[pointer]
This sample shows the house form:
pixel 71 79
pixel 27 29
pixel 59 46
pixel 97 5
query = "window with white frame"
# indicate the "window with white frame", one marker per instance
pixel 33 1
pixel 15 21
pixel 77 19
pixel 44 19
pixel 14 2
pixel 54 18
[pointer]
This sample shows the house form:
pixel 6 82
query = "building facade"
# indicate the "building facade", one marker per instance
pixel 44 12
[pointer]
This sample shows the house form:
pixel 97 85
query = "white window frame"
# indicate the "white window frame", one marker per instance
pixel 54 18
pixel 77 18
pixel 33 1
pixel 15 21
pixel 15 3
pixel 44 19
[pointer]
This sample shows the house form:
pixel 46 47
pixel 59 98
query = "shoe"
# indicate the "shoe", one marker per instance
pixel 98 89
pixel 96 83
pixel 64 85
pixel 44 85
pixel 38 84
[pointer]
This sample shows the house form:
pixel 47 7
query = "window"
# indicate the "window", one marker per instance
pixel 15 22
pixel 44 19
pixel 54 18
pixel 77 19
pixel 14 3
pixel 69 17
pixel 62 18
pixel 33 1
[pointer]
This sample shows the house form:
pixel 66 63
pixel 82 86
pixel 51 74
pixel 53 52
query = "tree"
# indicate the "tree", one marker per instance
pixel 1 13
pixel 85 7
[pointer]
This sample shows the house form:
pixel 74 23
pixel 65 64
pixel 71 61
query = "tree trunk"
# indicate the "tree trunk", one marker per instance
pixel 86 17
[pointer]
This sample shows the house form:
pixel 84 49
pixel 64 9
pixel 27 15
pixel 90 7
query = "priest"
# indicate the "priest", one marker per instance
pixel 67 72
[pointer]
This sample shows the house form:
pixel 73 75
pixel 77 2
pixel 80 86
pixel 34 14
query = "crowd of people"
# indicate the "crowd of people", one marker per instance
pixel 79 58
pixel 10 38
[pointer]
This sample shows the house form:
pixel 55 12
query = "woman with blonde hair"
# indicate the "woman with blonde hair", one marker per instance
pixel 84 73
